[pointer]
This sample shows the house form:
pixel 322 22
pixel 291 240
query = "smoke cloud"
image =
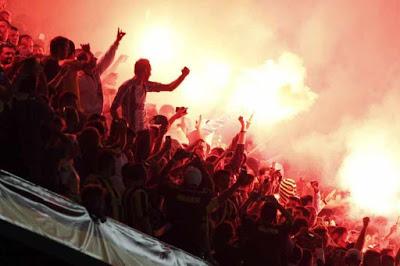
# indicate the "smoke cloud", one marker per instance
pixel 348 50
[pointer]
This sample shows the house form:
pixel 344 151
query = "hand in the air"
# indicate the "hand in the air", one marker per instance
pixel 86 47
pixel 120 35
pixel 185 71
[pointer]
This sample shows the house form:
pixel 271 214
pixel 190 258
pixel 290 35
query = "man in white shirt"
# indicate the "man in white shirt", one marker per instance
pixel 90 89
pixel 131 95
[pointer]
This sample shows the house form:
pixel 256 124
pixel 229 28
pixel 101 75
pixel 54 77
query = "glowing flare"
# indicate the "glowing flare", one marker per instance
pixel 158 44
pixel 275 91
pixel 371 172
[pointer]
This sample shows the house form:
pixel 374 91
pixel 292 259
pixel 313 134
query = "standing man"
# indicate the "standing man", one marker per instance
pixel 131 96
pixel 90 89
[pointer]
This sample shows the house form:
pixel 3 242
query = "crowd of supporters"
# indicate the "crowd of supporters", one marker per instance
pixel 152 169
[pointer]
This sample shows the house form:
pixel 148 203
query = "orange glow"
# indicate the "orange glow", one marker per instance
pixel 158 44
pixel 274 91
pixel 371 172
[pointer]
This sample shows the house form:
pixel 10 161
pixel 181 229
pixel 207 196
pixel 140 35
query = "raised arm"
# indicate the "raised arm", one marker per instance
pixel 109 56
pixel 174 84
pixel 238 155
pixel 243 180
pixel 361 238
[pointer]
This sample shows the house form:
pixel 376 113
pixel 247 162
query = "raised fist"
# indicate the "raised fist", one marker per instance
pixel 185 71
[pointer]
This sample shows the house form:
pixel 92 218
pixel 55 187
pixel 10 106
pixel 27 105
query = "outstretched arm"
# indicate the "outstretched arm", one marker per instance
pixel 173 85
pixel 238 155
pixel 109 56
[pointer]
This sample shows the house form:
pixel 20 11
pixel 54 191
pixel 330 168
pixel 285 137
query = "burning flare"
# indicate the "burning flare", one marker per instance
pixel 274 91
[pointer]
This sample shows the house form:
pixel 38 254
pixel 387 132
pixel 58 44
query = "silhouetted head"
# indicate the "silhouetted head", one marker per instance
pixel 59 47
pixel 143 69
pixel 25 45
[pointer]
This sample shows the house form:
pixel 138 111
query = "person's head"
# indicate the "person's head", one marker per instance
pixel 222 180
pixel 99 118
pixel 59 47
pixel 293 202
pixel 268 213
pixel 87 58
pixel 25 45
pixel 299 225
pixel 323 234
pixel 143 69
pixel 218 151
pixel 192 177
pixel 339 236
pixel 7 54
pixel 253 164
pixel 134 175
pixel 106 163
pixel 13 35
pixel 89 140
pixel 371 258
pixel 306 200
pixel 312 215
pixel 6 15
pixel 99 126
pixel 94 200
pixel 223 234
pixel 387 260
pixel 352 257
pixel 4 29
pixel 68 99
pixel 38 50
pixel 201 149
pixel 162 122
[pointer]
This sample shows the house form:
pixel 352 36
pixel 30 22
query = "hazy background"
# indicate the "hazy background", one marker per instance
pixel 345 51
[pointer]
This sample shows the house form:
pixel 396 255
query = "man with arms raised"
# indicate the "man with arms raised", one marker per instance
pixel 131 96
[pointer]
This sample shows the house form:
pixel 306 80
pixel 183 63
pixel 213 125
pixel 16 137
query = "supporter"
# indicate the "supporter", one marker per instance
pixel 215 201
pixel 94 200
pixel 25 46
pixel 90 89
pixel 268 235
pixel 132 94
pixel 371 258
pixel 135 201
pixel 89 144
pixel 59 50
pixel 6 15
pixel 13 36
pixel 7 56
pixel 38 50
pixel 4 30
pixel 105 177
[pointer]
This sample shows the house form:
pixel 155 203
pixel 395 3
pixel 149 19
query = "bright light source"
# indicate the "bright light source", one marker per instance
pixel 274 91
pixel 158 44
pixel 371 172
